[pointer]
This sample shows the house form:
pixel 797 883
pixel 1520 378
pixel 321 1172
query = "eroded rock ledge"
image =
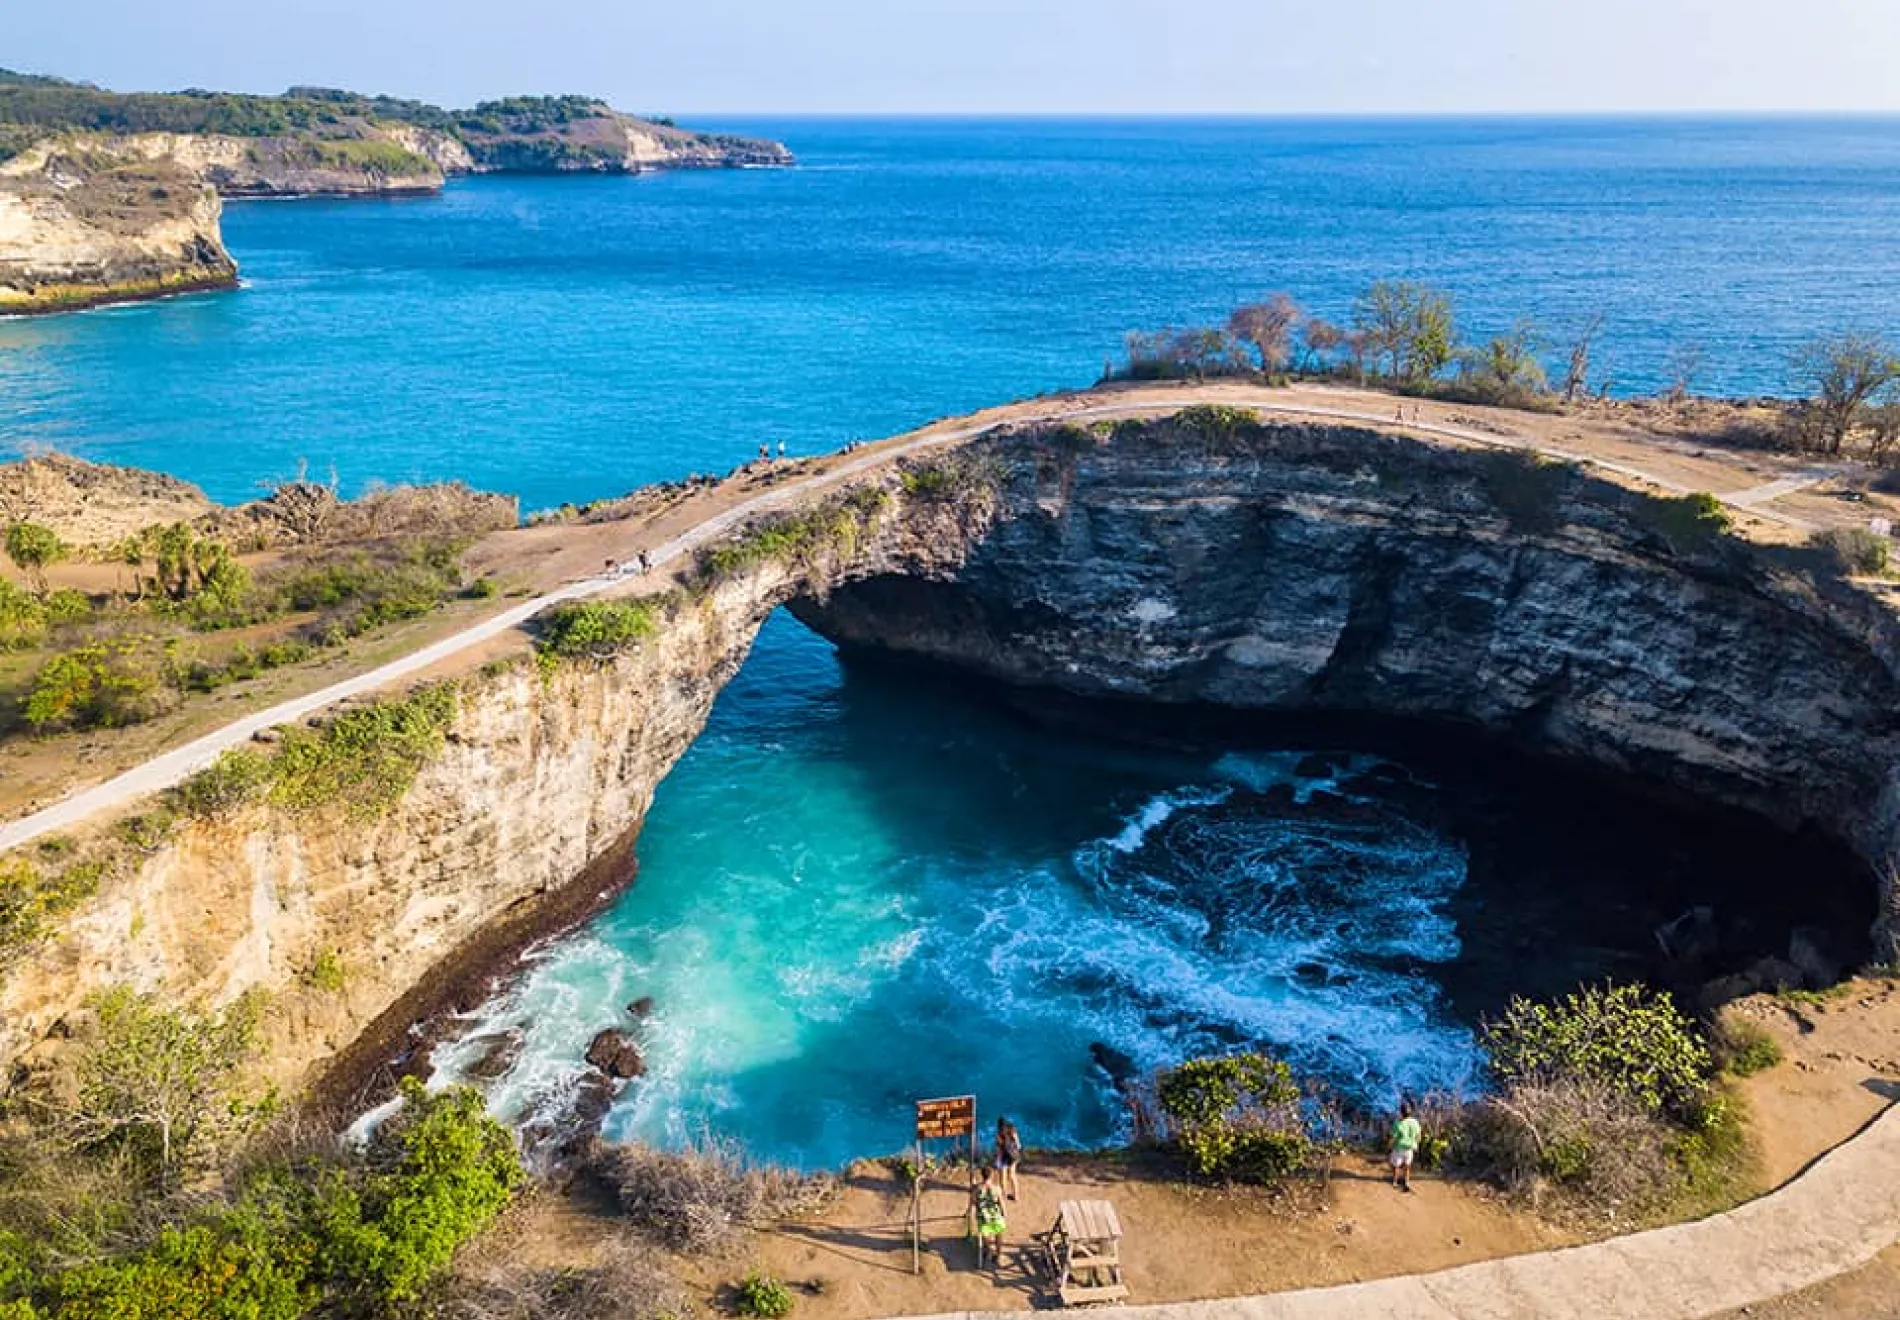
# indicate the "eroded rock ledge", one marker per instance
pixel 1191 563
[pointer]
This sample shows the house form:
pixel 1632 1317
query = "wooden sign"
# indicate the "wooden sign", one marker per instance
pixel 952 1117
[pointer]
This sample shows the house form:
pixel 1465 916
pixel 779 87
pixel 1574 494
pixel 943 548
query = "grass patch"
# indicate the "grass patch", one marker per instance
pixel 1743 1048
pixel 834 526
pixel 594 630
pixel 363 761
pixel 35 894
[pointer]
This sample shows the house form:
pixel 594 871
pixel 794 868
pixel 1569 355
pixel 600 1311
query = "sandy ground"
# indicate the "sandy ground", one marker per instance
pixel 1841 1067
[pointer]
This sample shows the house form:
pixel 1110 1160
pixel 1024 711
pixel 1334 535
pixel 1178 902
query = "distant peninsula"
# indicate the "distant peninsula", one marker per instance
pixel 110 196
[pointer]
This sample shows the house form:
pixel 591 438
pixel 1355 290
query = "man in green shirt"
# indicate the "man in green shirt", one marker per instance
pixel 1405 1138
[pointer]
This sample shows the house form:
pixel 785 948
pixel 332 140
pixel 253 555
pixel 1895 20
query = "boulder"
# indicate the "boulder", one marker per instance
pixel 641 1008
pixel 499 1050
pixel 616 1054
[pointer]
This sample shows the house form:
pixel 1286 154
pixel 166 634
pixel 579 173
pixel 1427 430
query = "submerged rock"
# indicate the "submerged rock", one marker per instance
pixel 500 1050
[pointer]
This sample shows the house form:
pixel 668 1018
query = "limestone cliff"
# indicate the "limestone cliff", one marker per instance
pixel 543 778
pixel 1199 564
pixel 1289 569
pixel 391 162
pixel 81 222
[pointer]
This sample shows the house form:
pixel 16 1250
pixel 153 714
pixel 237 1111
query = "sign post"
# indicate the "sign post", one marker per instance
pixel 937 1120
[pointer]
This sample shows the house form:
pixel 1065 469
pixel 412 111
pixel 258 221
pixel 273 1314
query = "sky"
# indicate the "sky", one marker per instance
pixel 998 56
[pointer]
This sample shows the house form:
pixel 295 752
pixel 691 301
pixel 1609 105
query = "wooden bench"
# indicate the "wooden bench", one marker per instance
pixel 1077 1295
pixel 1083 1253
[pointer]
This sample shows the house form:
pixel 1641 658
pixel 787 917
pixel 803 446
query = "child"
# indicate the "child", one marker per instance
pixel 987 1208
pixel 1009 1154
pixel 1405 1139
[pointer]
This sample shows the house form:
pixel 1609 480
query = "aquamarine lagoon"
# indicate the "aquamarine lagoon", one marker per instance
pixel 863 886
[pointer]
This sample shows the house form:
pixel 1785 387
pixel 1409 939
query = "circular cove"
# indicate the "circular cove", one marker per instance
pixel 864 886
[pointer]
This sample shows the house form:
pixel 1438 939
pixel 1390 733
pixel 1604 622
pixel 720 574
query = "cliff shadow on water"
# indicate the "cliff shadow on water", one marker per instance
pixel 1567 873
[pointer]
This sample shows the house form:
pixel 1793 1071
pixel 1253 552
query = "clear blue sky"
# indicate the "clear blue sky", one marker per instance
pixel 998 56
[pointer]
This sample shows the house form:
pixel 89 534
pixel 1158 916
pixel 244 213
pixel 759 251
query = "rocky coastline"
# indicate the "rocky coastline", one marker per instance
pixel 96 207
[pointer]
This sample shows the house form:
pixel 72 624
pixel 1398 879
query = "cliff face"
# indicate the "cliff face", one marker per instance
pixel 1324 570
pixel 541 778
pixel 83 223
pixel 607 142
pixel 1279 568
pixel 392 163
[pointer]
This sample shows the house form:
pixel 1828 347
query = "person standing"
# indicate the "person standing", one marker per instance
pixel 1405 1138
pixel 1009 1154
pixel 986 1207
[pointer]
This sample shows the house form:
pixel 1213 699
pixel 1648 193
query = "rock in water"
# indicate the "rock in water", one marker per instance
pixel 615 1054
pixel 641 1008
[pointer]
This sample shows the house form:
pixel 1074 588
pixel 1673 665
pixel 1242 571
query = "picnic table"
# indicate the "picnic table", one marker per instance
pixel 1083 1253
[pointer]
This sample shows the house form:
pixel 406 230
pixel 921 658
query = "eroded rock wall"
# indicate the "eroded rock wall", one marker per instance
pixel 1323 569
pixel 81 224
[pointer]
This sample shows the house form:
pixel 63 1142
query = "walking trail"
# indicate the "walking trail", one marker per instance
pixel 172 767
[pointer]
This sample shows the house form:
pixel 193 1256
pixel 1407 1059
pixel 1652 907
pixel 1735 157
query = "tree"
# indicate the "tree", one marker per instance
pixel 1685 364
pixel 1268 328
pixel 1409 325
pixel 1843 374
pixel 162 1078
pixel 1506 369
pixel 1577 373
pixel 32 548
pixel 1323 339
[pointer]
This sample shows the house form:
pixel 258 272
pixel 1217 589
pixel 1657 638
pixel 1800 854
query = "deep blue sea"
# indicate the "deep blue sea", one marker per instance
pixel 857 889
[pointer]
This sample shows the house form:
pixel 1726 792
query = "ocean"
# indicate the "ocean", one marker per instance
pixel 861 888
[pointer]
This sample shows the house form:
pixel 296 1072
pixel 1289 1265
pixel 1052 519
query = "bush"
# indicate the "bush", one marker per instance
pixel 1855 550
pixel 1235 1116
pixel 761 1296
pixel 157 1081
pixel 1687 522
pixel 1217 421
pixel 363 761
pixel 22 618
pixel 594 630
pixel 242 1264
pixel 797 537
pixel 1596 1152
pixel 31 900
pixel 236 779
pixel 1743 1048
pixel 1632 1044
pixel 698 1199
pixel 1527 488
pixel 443 1170
pixel 98 686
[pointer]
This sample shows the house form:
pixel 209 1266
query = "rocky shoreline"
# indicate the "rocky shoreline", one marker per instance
pixel 95 208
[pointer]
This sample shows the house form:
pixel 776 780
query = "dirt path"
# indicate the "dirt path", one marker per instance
pixel 677 534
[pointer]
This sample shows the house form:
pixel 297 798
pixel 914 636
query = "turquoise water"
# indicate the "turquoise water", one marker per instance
pixel 858 889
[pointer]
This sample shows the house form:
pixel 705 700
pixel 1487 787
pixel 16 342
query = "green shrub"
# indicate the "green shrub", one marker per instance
pixel 236 779
pixel 594 629
pixel 158 1080
pixel 31 900
pixel 325 972
pixel 1527 488
pixel 98 686
pixel 1234 1116
pixel 22 618
pixel 67 606
pixel 1687 522
pixel 798 537
pixel 1217 421
pixel 761 1296
pixel 1633 1043
pixel 447 1169
pixel 932 483
pixel 242 1264
pixel 365 760
pixel 1743 1048
pixel 483 588
pixel 1855 550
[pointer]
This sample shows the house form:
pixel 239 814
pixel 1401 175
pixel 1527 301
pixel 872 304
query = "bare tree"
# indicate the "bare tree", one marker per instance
pixel 1268 328
pixel 1323 339
pixel 1685 364
pixel 1842 374
pixel 1577 373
